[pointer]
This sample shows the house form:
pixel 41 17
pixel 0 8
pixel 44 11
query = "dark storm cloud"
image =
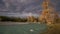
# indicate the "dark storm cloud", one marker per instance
pixel 58 5
pixel 21 7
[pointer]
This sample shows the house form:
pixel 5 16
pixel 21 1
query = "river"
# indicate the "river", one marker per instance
pixel 22 28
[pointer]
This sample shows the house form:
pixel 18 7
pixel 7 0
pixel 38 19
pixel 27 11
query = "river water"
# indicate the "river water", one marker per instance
pixel 22 28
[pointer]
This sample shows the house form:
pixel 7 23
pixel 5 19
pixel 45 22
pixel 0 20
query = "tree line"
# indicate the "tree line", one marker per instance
pixel 12 19
pixel 19 19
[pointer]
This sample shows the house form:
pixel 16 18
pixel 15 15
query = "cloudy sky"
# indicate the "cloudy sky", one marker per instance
pixel 24 7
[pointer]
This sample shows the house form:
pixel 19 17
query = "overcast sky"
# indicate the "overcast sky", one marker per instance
pixel 24 7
